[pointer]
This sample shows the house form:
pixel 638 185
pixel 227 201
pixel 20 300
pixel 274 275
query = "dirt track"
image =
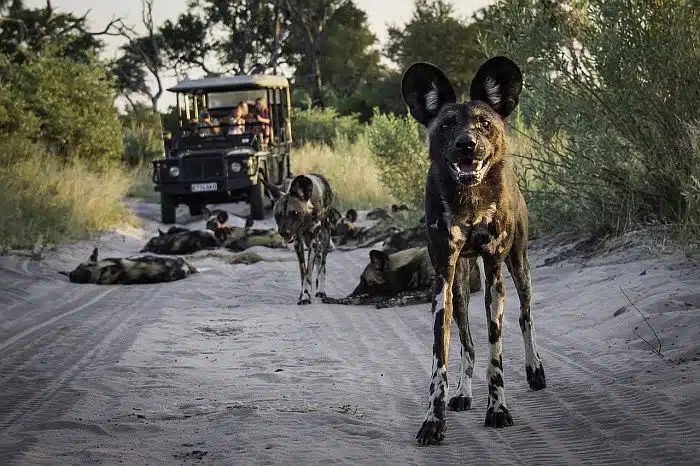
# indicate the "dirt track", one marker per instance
pixel 225 368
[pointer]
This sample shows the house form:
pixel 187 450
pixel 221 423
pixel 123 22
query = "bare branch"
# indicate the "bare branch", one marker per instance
pixel 646 320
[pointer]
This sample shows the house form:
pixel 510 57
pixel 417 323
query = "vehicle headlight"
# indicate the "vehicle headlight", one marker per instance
pixel 235 167
pixel 174 171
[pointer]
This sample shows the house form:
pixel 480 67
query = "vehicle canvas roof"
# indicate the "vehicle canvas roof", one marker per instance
pixel 255 81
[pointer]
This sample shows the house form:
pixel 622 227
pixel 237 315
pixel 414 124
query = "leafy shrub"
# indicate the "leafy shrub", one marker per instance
pixel 141 144
pixel 323 126
pixel 611 88
pixel 67 106
pixel 402 156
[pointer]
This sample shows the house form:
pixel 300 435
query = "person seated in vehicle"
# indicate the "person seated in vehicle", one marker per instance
pixel 262 116
pixel 207 124
pixel 236 121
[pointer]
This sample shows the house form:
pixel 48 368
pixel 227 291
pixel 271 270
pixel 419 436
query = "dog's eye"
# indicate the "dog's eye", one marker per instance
pixel 485 124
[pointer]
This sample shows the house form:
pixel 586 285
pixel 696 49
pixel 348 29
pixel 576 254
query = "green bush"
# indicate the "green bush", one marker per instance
pixel 612 90
pixel 323 126
pixel 67 106
pixel 142 144
pixel 402 156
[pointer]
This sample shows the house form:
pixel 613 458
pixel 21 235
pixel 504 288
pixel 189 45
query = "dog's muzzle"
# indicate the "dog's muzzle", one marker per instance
pixel 468 171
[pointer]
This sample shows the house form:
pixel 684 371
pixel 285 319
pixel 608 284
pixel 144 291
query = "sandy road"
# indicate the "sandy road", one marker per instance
pixel 224 368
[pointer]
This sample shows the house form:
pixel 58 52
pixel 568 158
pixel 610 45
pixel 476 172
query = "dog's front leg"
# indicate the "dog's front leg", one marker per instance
pixel 497 414
pixel 304 294
pixel 322 245
pixel 308 289
pixel 445 254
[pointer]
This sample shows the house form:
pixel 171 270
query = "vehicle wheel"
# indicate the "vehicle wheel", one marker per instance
pixel 196 209
pixel 257 201
pixel 167 209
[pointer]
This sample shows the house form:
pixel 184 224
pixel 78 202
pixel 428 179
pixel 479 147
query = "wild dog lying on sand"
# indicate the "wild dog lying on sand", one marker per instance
pixel 386 213
pixel 240 239
pixel 216 218
pixel 472 207
pixel 131 270
pixel 182 242
pixel 346 229
pixel 305 216
pixel 399 278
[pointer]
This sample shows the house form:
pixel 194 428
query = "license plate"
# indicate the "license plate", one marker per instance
pixel 201 187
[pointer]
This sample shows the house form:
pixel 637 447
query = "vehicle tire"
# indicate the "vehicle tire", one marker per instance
pixel 257 201
pixel 196 209
pixel 167 209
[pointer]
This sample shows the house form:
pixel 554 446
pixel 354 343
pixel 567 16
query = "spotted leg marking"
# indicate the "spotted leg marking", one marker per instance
pixel 520 271
pixel 497 414
pixel 433 429
pixel 323 246
pixel 462 400
pixel 304 295
pixel 308 283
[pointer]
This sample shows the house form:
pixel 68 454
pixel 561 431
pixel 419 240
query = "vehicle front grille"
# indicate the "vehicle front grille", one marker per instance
pixel 202 168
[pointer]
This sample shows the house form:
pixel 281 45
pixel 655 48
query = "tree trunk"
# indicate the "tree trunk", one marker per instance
pixel 314 46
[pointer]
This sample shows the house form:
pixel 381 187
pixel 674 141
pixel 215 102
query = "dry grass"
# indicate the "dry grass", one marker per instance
pixel 350 169
pixel 141 185
pixel 45 202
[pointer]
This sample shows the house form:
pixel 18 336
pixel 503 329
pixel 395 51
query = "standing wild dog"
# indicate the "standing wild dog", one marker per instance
pixel 306 217
pixel 130 270
pixel 472 207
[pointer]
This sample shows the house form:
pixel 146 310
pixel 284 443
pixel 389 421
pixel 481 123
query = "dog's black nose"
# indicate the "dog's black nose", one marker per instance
pixel 465 141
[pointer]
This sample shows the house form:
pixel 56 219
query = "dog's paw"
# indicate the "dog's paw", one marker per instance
pixel 321 294
pixel 432 432
pixel 498 416
pixel 459 403
pixel 304 301
pixel 535 377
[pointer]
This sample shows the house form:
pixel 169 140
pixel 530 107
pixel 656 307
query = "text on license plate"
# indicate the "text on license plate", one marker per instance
pixel 200 187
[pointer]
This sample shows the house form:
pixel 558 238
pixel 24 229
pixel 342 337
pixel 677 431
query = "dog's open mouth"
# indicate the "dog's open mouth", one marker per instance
pixel 468 171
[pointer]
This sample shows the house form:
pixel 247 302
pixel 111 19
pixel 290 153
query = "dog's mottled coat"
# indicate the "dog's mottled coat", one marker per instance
pixel 472 207
pixel 305 216
pixel 131 270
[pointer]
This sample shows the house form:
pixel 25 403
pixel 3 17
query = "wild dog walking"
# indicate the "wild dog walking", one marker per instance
pixel 472 207
pixel 130 270
pixel 306 217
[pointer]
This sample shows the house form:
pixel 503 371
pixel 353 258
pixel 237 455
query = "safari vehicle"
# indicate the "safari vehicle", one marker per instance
pixel 205 162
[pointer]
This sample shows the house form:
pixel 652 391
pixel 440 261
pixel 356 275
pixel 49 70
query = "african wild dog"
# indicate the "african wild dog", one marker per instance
pixel 240 239
pixel 472 207
pixel 305 216
pixel 398 278
pixel 130 270
pixel 216 218
pixel 385 213
pixel 183 242
pixel 346 228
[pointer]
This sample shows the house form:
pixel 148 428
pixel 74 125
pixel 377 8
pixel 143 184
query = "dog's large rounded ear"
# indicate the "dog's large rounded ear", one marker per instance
pixel 351 215
pixel 94 255
pixel 498 82
pixel 161 232
pixel 222 216
pixel 379 259
pixel 425 89
pixel 302 187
